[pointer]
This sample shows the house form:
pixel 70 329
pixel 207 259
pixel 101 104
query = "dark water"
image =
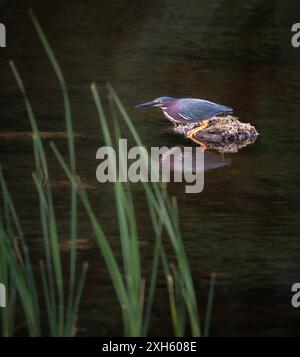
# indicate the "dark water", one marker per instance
pixel 245 224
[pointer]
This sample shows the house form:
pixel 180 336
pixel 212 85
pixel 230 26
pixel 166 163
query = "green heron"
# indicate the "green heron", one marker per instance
pixel 188 110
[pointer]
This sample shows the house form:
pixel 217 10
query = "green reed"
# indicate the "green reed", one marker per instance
pixel 62 316
pixel 135 293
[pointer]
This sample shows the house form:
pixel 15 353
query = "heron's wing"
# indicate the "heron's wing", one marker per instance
pixel 197 109
pixel 185 117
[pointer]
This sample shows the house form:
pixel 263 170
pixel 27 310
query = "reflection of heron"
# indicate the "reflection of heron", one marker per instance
pixel 212 160
pixel 188 110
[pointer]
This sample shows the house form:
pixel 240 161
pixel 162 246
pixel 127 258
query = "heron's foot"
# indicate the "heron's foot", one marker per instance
pixel 203 125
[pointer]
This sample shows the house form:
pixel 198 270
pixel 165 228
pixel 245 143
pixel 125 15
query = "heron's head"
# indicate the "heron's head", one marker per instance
pixel 161 102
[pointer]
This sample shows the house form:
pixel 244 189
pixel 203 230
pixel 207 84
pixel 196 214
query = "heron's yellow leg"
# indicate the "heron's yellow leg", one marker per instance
pixel 193 132
pixel 203 146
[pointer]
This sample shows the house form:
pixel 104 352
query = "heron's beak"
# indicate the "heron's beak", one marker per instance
pixel 147 105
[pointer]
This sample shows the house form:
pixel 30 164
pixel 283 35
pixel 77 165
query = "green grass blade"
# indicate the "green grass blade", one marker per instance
pixel 209 306
pixel 105 248
pixel 129 242
pixel 70 137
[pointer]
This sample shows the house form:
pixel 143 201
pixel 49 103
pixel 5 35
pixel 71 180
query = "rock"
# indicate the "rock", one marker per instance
pixel 225 134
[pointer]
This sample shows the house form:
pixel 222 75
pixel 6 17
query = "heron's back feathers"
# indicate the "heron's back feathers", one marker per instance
pixel 192 109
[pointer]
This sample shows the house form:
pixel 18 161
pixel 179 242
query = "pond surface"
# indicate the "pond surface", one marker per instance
pixel 245 224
